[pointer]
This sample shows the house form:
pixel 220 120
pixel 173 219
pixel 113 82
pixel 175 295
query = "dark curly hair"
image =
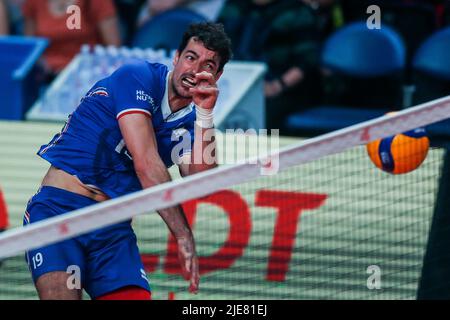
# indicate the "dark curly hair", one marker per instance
pixel 213 37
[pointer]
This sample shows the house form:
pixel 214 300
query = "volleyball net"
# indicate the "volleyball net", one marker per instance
pixel 313 220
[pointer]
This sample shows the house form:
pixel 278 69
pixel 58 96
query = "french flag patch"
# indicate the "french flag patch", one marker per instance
pixel 26 217
pixel 99 92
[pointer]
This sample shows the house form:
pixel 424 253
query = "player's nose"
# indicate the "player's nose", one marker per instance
pixel 196 68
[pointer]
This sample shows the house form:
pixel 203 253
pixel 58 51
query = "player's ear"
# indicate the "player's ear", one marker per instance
pixel 176 58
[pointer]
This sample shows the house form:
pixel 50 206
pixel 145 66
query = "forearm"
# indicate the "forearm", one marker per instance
pixel 156 173
pixel 204 150
pixel 151 172
pixel 177 223
pixel 204 153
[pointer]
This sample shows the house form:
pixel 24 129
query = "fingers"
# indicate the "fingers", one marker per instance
pixel 205 77
pixel 204 90
pixel 185 266
pixel 205 80
pixel 189 264
pixel 205 97
pixel 195 277
pixel 193 288
pixel 190 273
pixel 186 275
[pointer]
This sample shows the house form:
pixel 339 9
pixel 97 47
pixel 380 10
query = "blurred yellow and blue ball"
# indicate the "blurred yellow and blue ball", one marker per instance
pixel 401 153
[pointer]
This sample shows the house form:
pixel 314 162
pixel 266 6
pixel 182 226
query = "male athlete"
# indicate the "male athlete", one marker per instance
pixel 120 140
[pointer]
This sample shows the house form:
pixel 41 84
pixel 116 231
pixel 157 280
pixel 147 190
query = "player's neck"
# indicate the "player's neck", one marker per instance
pixel 177 103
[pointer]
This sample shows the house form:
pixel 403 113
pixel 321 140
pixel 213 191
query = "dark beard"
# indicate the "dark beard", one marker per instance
pixel 174 87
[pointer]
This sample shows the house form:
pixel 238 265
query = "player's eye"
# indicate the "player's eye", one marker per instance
pixel 190 58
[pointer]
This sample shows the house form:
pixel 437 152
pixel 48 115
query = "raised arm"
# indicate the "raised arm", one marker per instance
pixel 140 140
pixel 204 153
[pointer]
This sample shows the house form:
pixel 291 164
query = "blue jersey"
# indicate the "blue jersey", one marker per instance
pixel 90 145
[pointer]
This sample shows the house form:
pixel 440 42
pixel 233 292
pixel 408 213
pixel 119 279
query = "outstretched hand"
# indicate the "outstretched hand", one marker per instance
pixel 205 94
pixel 189 263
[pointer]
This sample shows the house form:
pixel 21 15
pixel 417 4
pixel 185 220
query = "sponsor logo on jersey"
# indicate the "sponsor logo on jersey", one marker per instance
pixel 143 96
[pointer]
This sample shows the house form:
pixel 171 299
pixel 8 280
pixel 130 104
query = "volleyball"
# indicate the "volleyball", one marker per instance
pixel 401 153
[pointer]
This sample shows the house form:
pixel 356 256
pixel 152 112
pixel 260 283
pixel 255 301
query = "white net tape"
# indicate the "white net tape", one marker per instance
pixel 15 241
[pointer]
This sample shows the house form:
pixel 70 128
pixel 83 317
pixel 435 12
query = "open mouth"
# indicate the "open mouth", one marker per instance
pixel 188 82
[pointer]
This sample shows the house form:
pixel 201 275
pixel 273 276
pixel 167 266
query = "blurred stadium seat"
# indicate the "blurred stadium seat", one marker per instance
pixel 414 21
pixel 431 76
pixel 357 51
pixel 165 31
pixel 446 14
pixel 18 82
pixel 367 72
pixel 432 57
